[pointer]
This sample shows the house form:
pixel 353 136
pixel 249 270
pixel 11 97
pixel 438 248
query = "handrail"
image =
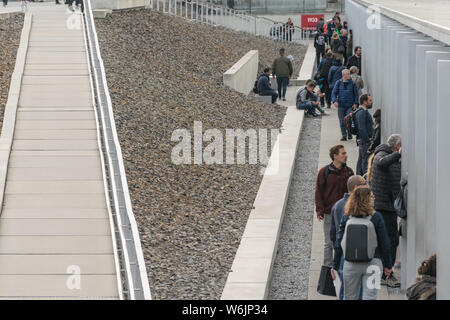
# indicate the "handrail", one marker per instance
pixel 134 274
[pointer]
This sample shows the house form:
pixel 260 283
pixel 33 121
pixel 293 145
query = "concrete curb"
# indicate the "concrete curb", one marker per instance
pixel 307 69
pixel 251 271
pixel 9 120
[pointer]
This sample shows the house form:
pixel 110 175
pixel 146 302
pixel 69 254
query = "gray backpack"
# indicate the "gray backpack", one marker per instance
pixel 360 240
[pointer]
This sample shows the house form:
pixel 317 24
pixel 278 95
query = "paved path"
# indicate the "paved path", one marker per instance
pixel 330 136
pixel 54 219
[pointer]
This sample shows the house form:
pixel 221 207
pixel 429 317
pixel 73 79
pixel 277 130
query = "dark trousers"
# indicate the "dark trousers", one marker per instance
pixel 272 93
pixel 282 83
pixel 390 221
pixel 320 54
pixel 328 92
pixel 363 157
pixel 342 112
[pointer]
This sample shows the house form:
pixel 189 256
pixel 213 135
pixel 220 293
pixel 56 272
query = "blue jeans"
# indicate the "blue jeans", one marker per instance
pixel 307 106
pixel 363 158
pixel 342 112
pixel 341 275
pixel 282 83
pixel 270 93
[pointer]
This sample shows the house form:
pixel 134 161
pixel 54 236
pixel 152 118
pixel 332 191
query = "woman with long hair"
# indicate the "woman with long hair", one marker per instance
pixel 365 274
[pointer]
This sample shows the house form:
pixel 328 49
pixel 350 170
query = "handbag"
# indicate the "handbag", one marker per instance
pixel 326 285
pixel 400 205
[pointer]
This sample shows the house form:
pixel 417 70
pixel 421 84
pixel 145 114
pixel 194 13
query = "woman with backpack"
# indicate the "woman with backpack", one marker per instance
pixel 363 240
pixel 337 46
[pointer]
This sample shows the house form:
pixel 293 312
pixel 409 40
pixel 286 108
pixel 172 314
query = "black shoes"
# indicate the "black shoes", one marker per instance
pixel 343 139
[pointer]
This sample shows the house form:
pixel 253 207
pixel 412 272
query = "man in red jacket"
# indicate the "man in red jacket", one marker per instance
pixel 331 185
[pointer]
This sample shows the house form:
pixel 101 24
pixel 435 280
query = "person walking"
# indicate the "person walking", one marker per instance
pixel 307 100
pixel 331 185
pixel 337 212
pixel 5 3
pixel 331 26
pixel 230 4
pixel 355 60
pixel 264 88
pixel 364 123
pixel 289 29
pixel 320 25
pixel 282 70
pixel 337 46
pixel 345 98
pixel 376 138
pixel 357 79
pixel 385 183
pixel 335 73
pixel 325 67
pixel 319 44
pixel 356 272
pixel 344 39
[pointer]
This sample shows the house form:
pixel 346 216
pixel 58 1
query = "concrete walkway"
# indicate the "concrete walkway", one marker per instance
pixel 54 222
pixel 330 136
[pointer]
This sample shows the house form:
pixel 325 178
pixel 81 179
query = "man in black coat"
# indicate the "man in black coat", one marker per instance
pixel 355 60
pixel 324 70
pixel 385 184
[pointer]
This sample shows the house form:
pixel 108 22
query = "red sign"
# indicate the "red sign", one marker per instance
pixel 309 21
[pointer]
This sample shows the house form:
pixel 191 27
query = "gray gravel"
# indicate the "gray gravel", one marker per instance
pixel 164 74
pixel 291 268
pixel 10 30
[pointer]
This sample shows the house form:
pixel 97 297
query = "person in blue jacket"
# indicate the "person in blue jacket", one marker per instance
pixel 360 204
pixel 335 72
pixel 345 97
pixel 264 88
pixel 364 123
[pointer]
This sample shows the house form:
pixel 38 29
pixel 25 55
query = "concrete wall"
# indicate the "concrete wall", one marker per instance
pixel 118 4
pixel 403 69
pixel 242 75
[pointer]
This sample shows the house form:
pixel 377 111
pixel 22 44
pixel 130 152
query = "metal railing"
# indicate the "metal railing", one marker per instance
pixel 133 272
pixel 200 12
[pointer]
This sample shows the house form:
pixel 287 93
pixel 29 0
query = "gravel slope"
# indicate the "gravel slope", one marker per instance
pixel 10 30
pixel 290 272
pixel 164 74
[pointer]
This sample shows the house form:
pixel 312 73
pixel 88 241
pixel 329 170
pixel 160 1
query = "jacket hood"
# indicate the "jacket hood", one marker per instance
pixel 383 147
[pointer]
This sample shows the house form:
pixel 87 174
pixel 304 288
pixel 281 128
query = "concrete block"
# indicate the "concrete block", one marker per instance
pixel 242 75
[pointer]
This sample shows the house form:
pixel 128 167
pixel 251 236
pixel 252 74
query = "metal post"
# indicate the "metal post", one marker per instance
pixel 192 12
pixel 186 11
pixel 151 4
pixel 170 7
pixel 196 11
pixel 157 5
pixel 164 6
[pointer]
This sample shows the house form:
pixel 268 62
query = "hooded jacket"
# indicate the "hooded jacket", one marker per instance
pixel 263 83
pixel 385 179
pixel 282 67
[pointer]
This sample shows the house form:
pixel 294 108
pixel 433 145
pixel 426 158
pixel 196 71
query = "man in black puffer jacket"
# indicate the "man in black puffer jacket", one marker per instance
pixel 326 66
pixel 385 184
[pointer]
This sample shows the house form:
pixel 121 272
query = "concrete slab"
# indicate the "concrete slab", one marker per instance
pixel 54 213
pixel 243 291
pixel 93 286
pixel 51 174
pixel 55 145
pixel 56 134
pixel 61 80
pixel 88 201
pixel 56 264
pixel 54 162
pixel 55 245
pixel 55 187
pixel 50 125
pixel 55 115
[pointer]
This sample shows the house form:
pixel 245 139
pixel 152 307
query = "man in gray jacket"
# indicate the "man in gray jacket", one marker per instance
pixel 385 184
pixel 282 70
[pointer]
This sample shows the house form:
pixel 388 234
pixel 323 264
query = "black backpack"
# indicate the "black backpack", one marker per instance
pixel 350 122
pixel 255 87
pixel 400 205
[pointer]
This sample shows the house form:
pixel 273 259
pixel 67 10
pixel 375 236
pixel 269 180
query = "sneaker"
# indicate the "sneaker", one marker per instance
pixel 349 137
pixel 284 99
pixel 391 282
pixel 343 139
